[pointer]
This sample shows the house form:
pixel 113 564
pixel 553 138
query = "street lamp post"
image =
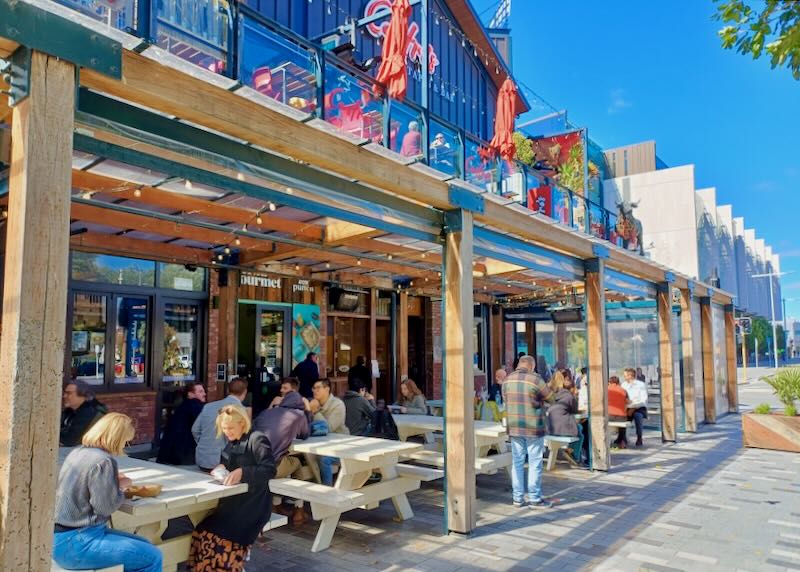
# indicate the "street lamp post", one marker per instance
pixel 772 275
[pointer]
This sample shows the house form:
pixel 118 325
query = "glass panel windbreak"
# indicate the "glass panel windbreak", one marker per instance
pixel 578 212
pixel 444 149
pixel 130 340
pixel 512 181
pixel 479 169
pixel 613 235
pixel 351 106
pixel 88 337
pixel 181 333
pixel 195 30
pixel 405 131
pixel 277 67
pixel 120 14
pixel 562 206
pixel 179 277
pixel 597 221
pixel 90 267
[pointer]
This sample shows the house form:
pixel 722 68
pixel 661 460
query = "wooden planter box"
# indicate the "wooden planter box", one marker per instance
pixel 771 431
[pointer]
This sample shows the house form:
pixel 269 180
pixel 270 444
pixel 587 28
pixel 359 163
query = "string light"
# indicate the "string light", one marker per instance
pixel 137 193
pixel 297 267
pixel 389 257
pixel 227 250
pixel 188 185
pixel 220 257
pixel 271 206
pixel 236 241
pixel 259 220
pixel 358 262
pixel 327 265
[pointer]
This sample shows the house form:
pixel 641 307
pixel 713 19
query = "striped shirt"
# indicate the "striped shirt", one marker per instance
pixel 525 393
pixel 88 488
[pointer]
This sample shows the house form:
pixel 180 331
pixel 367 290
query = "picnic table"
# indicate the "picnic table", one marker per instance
pixel 359 458
pixel 184 493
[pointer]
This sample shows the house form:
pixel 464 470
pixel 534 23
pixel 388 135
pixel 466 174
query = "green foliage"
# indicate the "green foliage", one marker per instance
pixel 762 409
pixel 755 26
pixel 786 384
pixel 571 174
pixel 525 153
pixel 790 411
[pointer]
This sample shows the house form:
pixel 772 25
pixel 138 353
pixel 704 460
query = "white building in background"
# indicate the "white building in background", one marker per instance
pixel 684 228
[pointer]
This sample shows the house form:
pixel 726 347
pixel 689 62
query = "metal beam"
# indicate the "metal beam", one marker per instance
pixel 622 283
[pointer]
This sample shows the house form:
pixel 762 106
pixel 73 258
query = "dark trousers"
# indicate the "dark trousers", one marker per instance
pixel 637 416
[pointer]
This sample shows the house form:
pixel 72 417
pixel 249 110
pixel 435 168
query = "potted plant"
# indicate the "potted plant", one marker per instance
pixel 766 429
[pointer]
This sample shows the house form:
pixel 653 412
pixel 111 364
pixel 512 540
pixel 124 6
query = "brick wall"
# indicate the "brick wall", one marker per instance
pixel 140 406
pixel 212 339
pixel 434 346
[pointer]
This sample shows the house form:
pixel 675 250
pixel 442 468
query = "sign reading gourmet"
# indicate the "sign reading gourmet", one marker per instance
pixel 261 281
pixel 276 288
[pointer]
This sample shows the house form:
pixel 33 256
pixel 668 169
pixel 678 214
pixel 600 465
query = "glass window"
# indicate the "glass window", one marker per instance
pixel 578 212
pixel 405 130
pixel 597 223
pixel 270 345
pixel 479 168
pixel 89 337
pixel 562 211
pixel 130 340
pixel 351 339
pixel 512 182
pixel 444 149
pixel 195 30
pixel 351 106
pixel 478 359
pixel 90 267
pixel 181 329
pixel 179 277
pixel 277 67
pixel 545 348
pixel 120 16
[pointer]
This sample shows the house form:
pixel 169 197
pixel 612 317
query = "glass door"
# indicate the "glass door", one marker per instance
pixel 272 353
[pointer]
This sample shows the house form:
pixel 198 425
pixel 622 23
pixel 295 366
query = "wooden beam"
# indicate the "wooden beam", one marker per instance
pixel 342 232
pixel 458 406
pixel 7 47
pixel 709 390
pixel 402 335
pixel 730 345
pixel 687 336
pixel 253 258
pixel 597 343
pixel 122 245
pixel 34 313
pixel 664 303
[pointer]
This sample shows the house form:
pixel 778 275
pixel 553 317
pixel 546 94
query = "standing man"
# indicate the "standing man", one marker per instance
pixel 307 372
pixel 525 393
pixel 637 407
pixel 204 429
pixel 362 372
pixel 177 444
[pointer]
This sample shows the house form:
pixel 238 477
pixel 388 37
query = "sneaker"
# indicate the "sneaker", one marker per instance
pixel 639 443
pixel 541 503
pixel 518 504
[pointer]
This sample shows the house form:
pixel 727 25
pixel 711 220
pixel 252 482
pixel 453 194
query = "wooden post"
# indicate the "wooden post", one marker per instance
pixel 709 391
pixel 34 313
pixel 687 335
pixel 402 336
pixel 730 342
pixel 226 326
pixel 497 339
pixel 561 345
pixel 665 362
pixel 597 342
pixel 458 405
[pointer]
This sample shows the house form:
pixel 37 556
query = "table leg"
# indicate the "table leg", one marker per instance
pixel 325 533
pixel 400 502
pixel 502 447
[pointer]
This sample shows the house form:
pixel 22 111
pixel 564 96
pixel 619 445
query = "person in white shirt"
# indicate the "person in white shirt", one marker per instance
pixel 637 401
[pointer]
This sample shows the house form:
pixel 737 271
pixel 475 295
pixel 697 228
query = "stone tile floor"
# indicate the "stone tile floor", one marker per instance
pixel 701 504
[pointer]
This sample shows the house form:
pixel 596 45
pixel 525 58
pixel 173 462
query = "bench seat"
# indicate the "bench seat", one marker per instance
pixel 483 465
pixel 275 521
pixel 556 443
pixel 56 568
pixel 426 474
pixel 316 493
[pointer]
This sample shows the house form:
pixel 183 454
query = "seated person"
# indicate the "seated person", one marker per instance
pixel 360 409
pixel 288 384
pixel 81 411
pixel 637 407
pixel 561 418
pixel 223 539
pixel 90 489
pixel 329 408
pixel 617 409
pixel 282 424
pixel 411 399
pixel 559 377
pixel 177 444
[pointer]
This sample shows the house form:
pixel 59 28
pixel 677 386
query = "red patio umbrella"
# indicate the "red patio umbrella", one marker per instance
pixel 392 72
pixel 503 140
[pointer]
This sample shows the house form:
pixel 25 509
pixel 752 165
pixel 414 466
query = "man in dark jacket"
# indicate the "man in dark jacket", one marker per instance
pixel 81 410
pixel 282 424
pixel 362 372
pixel 307 371
pixel 177 443
pixel 359 409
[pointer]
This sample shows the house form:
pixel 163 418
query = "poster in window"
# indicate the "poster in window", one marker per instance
pixel 80 341
pixel 306 336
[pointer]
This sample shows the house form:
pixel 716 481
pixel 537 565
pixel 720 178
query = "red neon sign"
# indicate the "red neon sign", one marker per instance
pixel 378 31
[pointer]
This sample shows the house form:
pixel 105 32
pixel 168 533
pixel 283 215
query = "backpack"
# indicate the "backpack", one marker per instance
pixel 385 427
pixel 319 428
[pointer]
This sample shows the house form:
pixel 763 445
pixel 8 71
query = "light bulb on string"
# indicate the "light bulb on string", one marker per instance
pixel 227 250
pixel 271 206
pixel 188 185
pixel 236 241
pixel 259 220
pixel 137 193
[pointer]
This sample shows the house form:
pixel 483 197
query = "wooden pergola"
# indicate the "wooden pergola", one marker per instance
pixel 125 150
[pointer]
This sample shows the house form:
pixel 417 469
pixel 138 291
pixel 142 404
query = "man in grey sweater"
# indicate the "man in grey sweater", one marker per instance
pixel 204 429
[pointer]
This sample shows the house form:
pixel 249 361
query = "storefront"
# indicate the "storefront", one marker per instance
pixel 152 316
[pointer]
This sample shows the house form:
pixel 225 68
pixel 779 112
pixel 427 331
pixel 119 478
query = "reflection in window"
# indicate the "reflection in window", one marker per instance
pixel 478 167
pixel 195 30
pixel 181 327
pixel 120 16
pixel 90 267
pixel 405 130
pixel 89 337
pixel 351 106
pixel 130 342
pixel 179 277
pixel 444 149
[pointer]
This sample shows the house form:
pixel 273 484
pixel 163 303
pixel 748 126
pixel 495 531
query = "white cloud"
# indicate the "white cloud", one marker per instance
pixel 618 101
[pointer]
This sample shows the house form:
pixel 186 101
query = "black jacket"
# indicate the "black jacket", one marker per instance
pixel 561 414
pixel 307 372
pixel 284 423
pixel 359 413
pixel 361 372
pixel 240 518
pixel 74 423
pixel 177 444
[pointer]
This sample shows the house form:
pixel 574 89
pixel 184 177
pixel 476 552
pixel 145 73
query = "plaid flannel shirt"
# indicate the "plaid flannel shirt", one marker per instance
pixel 524 393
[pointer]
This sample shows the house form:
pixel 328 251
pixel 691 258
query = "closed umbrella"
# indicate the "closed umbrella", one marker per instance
pixel 503 140
pixel 392 72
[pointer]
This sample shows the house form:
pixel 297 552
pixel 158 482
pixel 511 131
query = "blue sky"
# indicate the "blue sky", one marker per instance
pixel 634 70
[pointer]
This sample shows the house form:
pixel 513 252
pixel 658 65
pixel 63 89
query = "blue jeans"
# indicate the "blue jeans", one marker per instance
pixel 531 448
pixel 100 547
pixel 577 446
pixel 326 469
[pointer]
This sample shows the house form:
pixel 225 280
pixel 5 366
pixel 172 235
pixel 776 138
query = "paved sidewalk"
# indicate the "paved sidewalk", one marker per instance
pixel 701 504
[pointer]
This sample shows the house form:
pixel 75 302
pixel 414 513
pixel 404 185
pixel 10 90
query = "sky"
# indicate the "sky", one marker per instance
pixel 636 70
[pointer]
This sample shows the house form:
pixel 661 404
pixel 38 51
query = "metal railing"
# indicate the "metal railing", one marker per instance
pixel 235 41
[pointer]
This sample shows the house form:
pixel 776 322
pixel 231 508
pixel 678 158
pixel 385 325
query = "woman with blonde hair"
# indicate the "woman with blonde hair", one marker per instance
pixel 221 541
pixel 90 489
pixel 411 399
pixel 559 377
